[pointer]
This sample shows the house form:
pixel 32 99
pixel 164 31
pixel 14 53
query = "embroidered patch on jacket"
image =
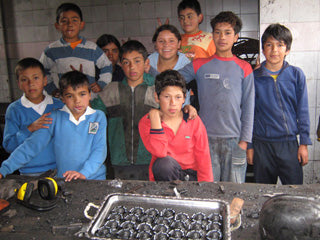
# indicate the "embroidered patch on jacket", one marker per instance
pixel 93 127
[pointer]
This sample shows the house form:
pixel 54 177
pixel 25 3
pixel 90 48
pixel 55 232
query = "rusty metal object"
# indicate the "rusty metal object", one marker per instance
pixel 290 217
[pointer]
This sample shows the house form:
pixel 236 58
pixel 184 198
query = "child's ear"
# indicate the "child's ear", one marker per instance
pixel 147 65
pixel 200 18
pixel 82 25
pixel 57 26
pixel 287 52
pixel 236 36
pixel 156 97
pixel 179 44
pixel 45 81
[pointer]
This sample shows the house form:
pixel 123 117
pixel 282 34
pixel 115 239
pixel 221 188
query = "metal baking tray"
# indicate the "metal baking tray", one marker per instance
pixel 187 205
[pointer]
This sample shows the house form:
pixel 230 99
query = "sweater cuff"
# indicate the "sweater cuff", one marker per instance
pixel 25 132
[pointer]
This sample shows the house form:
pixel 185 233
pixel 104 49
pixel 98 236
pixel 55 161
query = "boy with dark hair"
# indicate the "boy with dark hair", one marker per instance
pixel 125 103
pixel 73 52
pixel 111 47
pixel 27 115
pixel 194 43
pixel 281 113
pixel 226 98
pixel 77 132
pixel 179 146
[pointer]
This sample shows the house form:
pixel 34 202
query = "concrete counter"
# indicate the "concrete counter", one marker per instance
pixel 19 222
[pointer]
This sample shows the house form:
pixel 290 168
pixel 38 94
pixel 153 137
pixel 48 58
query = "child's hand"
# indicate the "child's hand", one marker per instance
pixel 243 145
pixel 74 69
pixel 250 153
pixel 155 118
pixel 56 93
pixel 154 113
pixel 192 112
pixel 303 155
pixel 1 176
pixel 160 23
pixel 69 175
pixel 39 123
pixel 95 87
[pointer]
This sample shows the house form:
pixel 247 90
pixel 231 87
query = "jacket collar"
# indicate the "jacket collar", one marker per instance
pixel 147 80
pixel 83 41
pixel 262 71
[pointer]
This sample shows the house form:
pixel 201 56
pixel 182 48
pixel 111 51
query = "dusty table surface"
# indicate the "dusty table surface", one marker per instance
pixel 62 222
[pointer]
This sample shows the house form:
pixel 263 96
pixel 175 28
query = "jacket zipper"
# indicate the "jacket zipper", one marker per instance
pixel 132 121
pixel 281 106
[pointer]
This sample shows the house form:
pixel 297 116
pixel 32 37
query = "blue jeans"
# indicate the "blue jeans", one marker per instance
pixel 229 161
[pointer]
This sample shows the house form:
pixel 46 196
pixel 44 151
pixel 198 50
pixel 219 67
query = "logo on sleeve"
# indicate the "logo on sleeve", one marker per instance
pixel 93 127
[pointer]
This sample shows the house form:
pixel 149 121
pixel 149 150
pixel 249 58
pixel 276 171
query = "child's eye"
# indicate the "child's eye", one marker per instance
pixel 181 18
pixel 23 79
pixel 125 63
pixel 114 50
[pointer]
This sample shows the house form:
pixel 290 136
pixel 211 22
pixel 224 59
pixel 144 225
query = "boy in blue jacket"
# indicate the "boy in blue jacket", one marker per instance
pixel 28 114
pixel 281 113
pixel 77 131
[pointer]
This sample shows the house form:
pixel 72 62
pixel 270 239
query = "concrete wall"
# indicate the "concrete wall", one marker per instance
pixel 303 19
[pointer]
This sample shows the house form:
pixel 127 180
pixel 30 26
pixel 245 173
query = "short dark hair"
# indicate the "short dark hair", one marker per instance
pixel 65 7
pixel 29 62
pixel 133 45
pixel 170 78
pixel 74 79
pixel 279 32
pixel 106 39
pixel 168 27
pixel 227 17
pixel 193 4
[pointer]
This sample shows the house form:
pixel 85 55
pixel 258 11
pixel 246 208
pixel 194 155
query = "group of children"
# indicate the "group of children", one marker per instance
pixel 244 115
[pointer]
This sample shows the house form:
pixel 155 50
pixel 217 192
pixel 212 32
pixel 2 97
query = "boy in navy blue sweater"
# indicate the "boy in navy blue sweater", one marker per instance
pixel 281 113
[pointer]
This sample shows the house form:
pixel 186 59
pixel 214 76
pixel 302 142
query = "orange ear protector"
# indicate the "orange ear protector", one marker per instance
pixel 47 189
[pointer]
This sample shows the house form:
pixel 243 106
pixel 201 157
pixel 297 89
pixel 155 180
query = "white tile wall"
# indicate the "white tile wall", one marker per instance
pixel 30 23
pixel 304 11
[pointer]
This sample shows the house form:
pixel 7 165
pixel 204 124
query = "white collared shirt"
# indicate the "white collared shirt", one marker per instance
pixel 88 111
pixel 39 108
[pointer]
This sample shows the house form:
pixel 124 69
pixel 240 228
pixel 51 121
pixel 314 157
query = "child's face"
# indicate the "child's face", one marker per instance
pixel 77 100
pixel 69 25
pixel 31 81
pixel 275 52
pixel 167 45
pixel 112 52
pixel 224 37
pixel 190 20
pixel 133 66
pixel 170 100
